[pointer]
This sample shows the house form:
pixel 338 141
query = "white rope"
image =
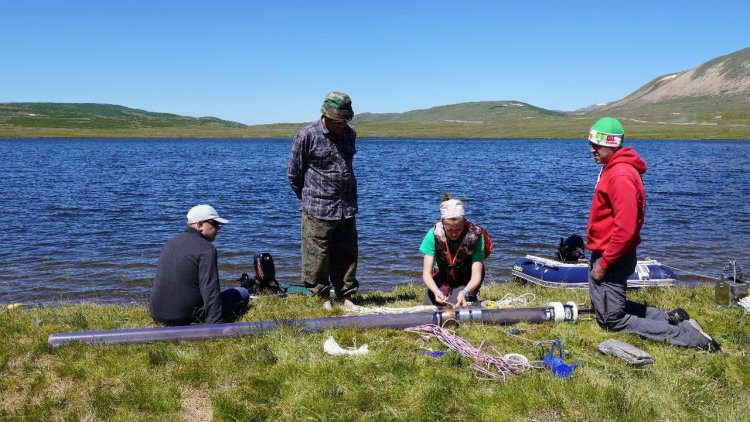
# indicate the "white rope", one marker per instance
pixel 381 310
pixel 488 364
pixel 510 301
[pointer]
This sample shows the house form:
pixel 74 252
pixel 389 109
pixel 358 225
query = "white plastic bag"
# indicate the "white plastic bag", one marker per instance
pixel 333 348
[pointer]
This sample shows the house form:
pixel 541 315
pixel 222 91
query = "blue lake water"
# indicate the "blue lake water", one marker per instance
pixel 84 219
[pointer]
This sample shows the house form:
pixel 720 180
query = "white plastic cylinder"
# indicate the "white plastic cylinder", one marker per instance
pixel 558 310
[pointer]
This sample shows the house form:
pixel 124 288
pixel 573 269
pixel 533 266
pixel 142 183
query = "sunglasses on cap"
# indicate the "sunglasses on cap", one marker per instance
pixel 214 223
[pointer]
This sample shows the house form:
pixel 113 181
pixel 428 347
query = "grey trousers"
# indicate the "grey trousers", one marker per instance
pixel 615 313
pixel 329 256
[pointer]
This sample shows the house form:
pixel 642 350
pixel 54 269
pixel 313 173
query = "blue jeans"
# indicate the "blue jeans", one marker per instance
pixel 234 302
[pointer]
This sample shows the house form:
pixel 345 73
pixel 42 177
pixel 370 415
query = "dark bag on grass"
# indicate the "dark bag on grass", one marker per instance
pixel 264 280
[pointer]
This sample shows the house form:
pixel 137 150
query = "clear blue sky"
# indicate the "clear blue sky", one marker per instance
pixel 273 61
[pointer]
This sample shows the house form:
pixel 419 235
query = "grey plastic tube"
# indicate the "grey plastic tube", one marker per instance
pixel 207 331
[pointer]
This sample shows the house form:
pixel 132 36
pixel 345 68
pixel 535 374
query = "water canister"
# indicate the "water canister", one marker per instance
pixel 730 287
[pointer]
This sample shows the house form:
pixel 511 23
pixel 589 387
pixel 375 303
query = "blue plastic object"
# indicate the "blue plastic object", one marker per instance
pixel 556 364
pixel 434 354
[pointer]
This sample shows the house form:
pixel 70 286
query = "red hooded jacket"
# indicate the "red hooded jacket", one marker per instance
pixel 618 207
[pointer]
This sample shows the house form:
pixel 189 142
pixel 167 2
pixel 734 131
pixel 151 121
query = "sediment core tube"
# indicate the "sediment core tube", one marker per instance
pixel 397 321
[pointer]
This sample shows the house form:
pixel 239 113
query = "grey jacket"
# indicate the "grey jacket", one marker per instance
pixel 186 286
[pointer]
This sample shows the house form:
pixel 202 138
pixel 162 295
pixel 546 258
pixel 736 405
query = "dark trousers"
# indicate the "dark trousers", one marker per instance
pixel 234 302
pixel 329 256
pixel 615 313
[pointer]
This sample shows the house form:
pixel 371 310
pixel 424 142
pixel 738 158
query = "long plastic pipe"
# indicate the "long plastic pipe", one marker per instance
pixel 399 321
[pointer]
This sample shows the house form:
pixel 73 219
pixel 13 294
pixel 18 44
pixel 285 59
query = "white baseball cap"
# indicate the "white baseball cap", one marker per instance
pixel 202 213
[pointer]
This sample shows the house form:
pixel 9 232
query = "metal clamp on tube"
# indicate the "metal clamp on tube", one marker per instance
pixel 449 314
pixel 571 311
pixel 466 314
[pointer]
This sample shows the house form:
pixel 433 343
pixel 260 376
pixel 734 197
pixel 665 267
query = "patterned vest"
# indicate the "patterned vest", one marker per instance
pixel 455 270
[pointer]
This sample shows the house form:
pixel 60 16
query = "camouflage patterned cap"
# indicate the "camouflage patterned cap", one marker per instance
pixel 337 106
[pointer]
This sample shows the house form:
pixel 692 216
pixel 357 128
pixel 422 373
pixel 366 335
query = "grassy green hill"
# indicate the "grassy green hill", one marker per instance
pixel 464 113
pixel 106 120
pixel 703 118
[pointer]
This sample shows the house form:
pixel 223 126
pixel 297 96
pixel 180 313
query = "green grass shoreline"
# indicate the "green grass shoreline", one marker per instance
pixel 285 375
pixel 552 129
pixel 712 117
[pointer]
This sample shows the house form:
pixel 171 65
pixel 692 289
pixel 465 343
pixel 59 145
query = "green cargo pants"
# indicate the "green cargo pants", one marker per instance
pixel 329 256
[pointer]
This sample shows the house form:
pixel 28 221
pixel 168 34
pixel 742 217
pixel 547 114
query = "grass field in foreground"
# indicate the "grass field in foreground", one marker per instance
pixel 285 375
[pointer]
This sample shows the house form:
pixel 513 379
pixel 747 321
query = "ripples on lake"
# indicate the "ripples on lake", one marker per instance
pixel 85 219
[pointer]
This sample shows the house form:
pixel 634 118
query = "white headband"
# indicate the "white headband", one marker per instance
pixel 452 208
pixel 605 139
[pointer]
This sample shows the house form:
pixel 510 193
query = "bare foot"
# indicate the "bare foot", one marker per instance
pixel 348 304
pixel 327 305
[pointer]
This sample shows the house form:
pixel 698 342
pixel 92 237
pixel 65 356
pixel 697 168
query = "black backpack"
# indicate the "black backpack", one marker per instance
pixel 264 281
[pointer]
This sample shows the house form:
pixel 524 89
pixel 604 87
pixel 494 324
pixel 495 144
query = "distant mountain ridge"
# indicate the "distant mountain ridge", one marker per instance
pixel 714 93
pixel 709 101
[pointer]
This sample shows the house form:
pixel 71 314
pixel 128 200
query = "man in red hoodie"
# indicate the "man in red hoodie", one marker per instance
pixel 613 234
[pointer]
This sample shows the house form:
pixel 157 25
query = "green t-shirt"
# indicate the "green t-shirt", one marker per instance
pixel 428 246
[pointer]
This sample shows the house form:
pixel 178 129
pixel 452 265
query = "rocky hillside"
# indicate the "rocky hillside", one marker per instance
pixel 726 76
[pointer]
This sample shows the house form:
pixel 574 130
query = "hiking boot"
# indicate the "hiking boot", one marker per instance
pixel 677 315
pixel 711 345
